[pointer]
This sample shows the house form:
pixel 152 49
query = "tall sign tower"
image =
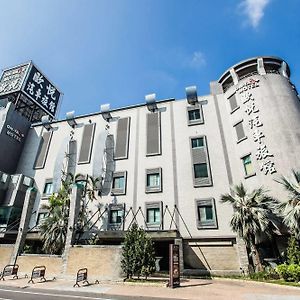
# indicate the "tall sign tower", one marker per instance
pixel 30 91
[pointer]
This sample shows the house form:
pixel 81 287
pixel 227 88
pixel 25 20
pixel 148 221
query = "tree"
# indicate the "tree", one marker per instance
pixel 290 208
pixel 293 251
pixel 138 257
pixel 252 215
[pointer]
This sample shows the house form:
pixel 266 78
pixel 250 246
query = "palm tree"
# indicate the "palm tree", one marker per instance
pixel 54 230
pixel 252 215
pixel 290 208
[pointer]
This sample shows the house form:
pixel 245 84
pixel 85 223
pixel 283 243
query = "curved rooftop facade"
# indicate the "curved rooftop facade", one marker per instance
pixel 257 65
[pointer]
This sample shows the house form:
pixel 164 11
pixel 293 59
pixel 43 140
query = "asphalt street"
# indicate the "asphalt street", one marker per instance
pixel 11 293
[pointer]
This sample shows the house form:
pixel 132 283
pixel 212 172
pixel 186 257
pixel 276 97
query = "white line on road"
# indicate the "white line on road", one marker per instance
pixel 53 295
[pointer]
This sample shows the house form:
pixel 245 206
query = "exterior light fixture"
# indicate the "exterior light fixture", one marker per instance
pixel 46 122
pixel 105 112
pixel 70 116
pixel 151 102
pixel 191 95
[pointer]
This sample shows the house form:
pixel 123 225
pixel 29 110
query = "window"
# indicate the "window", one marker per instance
pixel 195 115
pixel 41 217
pixel 197 143
pixel 115 216
pixel 153 214
pixel 206 214
pixel 153 180
pixel 233 103
pixel 200 162
pixel 240 133
pixel 200 170
pixel 248 167
pixel 48 188
pixel 119 183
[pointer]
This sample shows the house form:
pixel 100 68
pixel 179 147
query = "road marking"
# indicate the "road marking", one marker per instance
pixel 53 295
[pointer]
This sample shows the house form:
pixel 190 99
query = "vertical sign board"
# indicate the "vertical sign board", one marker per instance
pixel 174 269
pixel 39 89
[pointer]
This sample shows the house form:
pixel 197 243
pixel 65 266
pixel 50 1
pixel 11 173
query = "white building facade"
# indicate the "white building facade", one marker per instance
pixel 165 164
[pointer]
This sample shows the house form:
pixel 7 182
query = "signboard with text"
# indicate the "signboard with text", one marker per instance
pixel 174 267
pixel 39 89
pixel 32 84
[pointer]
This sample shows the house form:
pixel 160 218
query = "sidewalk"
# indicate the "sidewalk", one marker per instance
pixel 215 289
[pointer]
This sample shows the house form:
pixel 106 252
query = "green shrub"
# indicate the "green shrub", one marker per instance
pixel 289 272
pixel 267 274
pixel 293 251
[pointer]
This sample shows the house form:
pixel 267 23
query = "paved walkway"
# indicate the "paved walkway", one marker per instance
pixel 214 289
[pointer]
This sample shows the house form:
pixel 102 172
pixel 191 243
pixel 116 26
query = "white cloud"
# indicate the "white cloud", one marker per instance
pixel 197 60
pixel 254 10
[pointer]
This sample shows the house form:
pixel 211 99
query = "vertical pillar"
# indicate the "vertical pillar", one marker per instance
pixel 243 255
pixel 75 199
pixel 179 242
pixel 24 223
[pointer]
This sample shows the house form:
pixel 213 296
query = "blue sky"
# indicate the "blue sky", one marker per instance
pixel 117 51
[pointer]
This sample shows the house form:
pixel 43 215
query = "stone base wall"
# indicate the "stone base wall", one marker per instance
pixel 5 254
pixel 53 264
pixel 103 262
pixel 218 257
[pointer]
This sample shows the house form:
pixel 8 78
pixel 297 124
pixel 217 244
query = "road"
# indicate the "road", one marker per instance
pixel 12 293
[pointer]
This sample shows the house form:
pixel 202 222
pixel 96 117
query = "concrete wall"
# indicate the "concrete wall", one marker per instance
pixel 103 262
pixel 5 254
pixel 52 263
pixel 214 257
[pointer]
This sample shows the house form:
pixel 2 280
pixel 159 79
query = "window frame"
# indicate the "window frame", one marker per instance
pixel 206 202
pixel 195 121
pixel 195 152
pixel 232 110
pixel 245 136
pixel 150 206
pixel 153 189
pixel 47 182
pixel 244 167
pixel 116 207
pixel 119 191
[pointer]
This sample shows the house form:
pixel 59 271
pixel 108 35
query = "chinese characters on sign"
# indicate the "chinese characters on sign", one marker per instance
pixel 255 124
pixel 41 91
pixel 12 79
pixel 174 268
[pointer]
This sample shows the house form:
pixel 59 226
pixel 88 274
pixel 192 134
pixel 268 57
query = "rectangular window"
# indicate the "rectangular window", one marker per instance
pixel 248 167
pixel 119 183
pixel 153 180
pixel 153 134
pixel 195 115
pixel 115 216
pixel 200 162
pixel 206 214
pixel 233 103
pixel 48 188
pixel 240 133
pixel 197 142
pixel 200 170
pixel 41 217
pixel 86 144
pixel 122 140
pixel 154 214
pixel 43 150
